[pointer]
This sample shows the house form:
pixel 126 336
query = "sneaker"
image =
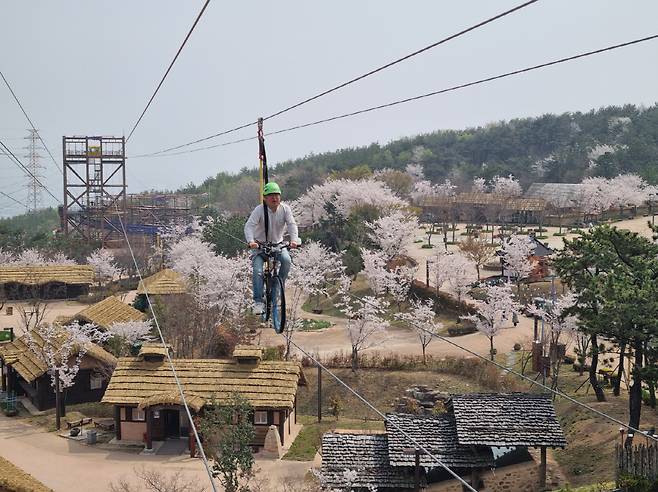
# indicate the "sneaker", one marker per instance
pixel 259 308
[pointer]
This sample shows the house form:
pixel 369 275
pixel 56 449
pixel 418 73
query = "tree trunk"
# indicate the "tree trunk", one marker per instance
pixel 620 370
pixel 635 392
pixel 424 356
pixel 600 396
pixel 651 383
pixel 355 359
pixel 58 396
pixel 491 348
pixel 477 269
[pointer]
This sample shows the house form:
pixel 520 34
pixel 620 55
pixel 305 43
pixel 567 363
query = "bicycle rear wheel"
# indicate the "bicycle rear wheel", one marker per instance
pixel 278 305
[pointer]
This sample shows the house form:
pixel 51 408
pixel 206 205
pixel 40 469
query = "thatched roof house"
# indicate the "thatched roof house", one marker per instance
pixel 45 281
pixel 27 373
pixel 144 387
pixel 109 310
pixel 165 282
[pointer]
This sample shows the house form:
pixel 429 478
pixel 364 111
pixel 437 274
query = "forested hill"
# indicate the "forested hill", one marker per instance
pixel 553 148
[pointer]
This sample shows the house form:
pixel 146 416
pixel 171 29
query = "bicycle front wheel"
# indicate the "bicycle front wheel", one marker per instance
pixel 278 305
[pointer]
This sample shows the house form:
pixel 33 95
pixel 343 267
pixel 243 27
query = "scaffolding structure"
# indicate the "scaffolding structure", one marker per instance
pixel 94 187
pixel 95 196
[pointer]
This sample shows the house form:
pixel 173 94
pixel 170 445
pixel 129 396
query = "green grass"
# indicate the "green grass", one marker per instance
pixel 314 324
pixel 308 441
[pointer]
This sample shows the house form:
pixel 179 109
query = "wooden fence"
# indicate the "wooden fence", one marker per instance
pixel 639 461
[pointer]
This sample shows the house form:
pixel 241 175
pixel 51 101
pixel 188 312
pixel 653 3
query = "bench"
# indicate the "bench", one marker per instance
pixel 106 425
pixel 78 423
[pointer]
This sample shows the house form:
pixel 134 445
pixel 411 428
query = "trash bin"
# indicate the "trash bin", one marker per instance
pixel 91 436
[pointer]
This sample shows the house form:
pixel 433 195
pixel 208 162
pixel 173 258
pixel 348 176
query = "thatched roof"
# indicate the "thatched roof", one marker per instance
pixel 487 199
pixel 40 275
pixel 558 195
pixel 109 310
pixel 162 283
pixel 269 384
pixel 248 352
pixel 153 349
pixel 31 366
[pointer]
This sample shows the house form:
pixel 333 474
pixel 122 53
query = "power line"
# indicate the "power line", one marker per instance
pixel 383 416
pixel 13 199
pixel 421 96
pixel 358 78
pixel 30 121
pixel 171 363
pixel 168 69
pixel 20 164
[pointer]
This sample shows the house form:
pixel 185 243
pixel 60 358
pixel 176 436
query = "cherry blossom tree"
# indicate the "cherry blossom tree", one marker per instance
pixel 445 189
pixel 375 271
pixel 62 349
pixel 479 185
pixel 506 185
pixel 415 171
pixel 630 190
pixel 30 256
pixel 421 318
pixel 219 289
pixel 516 256
pixel 315 268
pixel 422 190
pixel 454 269
pixel 365 320
pixel 478 250
pixel 102 261
pixel 496 311
pixel 562 327
pixel 342 195
pixel 393 233
pixel 400 283
pixel 6 257
pixel 125 334
pixel 60 258
pixel 596 196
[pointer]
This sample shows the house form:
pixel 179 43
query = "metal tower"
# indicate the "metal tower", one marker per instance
pixel 35 167
pixel 94 187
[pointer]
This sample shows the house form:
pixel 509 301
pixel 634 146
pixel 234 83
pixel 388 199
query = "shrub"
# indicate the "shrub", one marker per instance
pixel 427 246
pixel 517 347
pixel 460 330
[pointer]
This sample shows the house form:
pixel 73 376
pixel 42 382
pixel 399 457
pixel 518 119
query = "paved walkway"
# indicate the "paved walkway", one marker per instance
pixel 65 465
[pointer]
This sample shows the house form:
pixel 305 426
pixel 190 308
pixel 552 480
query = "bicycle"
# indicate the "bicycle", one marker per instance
pixel 275 296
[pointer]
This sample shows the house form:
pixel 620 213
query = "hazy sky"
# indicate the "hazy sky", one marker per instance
pixel 88 67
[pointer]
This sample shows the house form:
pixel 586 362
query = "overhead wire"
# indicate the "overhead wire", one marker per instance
pixel 30 121
pixel 357 78
pixel 17 161
pixel 180 49
pixel 13 199
pixel 418 97
pixel 169 359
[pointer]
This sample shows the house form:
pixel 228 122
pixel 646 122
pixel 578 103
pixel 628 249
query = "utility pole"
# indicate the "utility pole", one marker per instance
pixel 35 167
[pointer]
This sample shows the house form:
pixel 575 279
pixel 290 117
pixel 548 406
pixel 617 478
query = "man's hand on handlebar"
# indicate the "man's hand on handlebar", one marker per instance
pixel 293 245
pixel 253 245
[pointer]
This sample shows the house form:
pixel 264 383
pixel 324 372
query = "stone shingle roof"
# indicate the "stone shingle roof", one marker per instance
pixel 438 434
pixel 367 455
pixel 506 419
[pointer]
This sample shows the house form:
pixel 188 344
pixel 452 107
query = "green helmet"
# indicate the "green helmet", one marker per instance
pixel 271 188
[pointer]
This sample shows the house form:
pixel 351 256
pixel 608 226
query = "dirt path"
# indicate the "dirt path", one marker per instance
pixel 66 465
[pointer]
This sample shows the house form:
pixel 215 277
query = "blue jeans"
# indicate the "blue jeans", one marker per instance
pixel 258 261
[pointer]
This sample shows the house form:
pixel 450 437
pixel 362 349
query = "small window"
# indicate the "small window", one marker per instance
pixel 95 381
pixel 138 414
pixel 260 418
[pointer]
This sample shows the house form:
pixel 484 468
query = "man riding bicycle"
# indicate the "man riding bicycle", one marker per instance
pixel 279 217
